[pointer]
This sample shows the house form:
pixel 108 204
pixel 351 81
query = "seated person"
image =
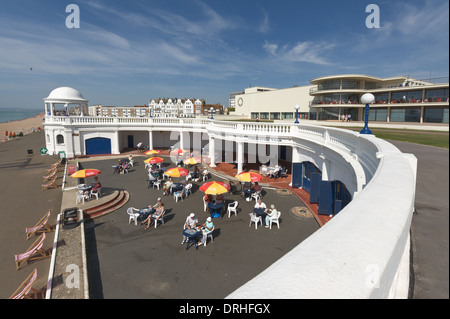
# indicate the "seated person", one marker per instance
pixel 208 198
pixel 195 173
pixel 155 216
pixel 257 187
pixel 220 199
pixel 247 189
pixel 274 172
pixel 120 166
pixel 150 209
pixel 167 186
pixel 190 223
pixel 95 185
pixel 186 189
pixel 272 212
pixel 207 227
pixel 260 205
pixel 205 174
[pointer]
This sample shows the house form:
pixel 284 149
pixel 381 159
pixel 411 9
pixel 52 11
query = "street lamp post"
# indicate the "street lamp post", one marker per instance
pixel 296 114
pixel 367 99
pixel 212 110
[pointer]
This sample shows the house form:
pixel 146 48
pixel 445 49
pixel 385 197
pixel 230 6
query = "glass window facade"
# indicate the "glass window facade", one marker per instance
pixel 370 85
pixel 275 116
pixel 264 116
pixel 351 84
pixel 287 115
pixel 381 98
pixel 378 114
pixel 328 113
pixel 405 114
pixel 437 95
pixel 330 85
pixel 435 115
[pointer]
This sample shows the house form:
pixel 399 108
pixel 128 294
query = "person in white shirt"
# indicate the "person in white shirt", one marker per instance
pixel 260 205
pixel 190 223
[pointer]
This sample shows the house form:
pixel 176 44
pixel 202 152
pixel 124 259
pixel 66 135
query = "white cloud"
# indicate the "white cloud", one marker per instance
pixel 307 51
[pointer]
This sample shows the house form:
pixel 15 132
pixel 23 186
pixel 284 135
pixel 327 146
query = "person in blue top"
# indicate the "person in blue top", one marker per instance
pixel 207 228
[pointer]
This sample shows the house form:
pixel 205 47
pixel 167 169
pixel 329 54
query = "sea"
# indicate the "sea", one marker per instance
pixel 8 115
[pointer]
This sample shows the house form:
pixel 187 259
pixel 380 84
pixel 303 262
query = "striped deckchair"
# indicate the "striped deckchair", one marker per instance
pixel 41 226
pixel 50 184
pixel 35 252
pixel 23 292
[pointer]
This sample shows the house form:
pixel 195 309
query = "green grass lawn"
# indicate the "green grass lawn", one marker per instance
pixel 438 139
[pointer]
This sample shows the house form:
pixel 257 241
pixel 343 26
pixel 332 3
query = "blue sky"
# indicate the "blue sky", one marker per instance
pixel 127 52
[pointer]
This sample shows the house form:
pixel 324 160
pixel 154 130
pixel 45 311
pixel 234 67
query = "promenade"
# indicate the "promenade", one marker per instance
pixel 124 253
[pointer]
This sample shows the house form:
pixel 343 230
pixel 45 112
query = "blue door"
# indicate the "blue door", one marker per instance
pixel 98 145
pixel 308 169
pixel 130 140
pixel 297 174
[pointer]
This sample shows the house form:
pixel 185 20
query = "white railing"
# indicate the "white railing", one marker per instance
pixel 363 252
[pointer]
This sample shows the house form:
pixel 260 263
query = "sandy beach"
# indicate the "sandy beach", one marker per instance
pixel 25 126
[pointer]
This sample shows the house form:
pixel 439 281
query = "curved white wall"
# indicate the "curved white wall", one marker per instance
pixel 362 252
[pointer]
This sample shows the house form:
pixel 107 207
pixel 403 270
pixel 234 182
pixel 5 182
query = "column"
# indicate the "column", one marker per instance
pixel 212 151
pixel 240 155
pixel 181 140
pixel 115 143
pixel 325 167
pixel 422 110
pixel 150 139
pixel 68 140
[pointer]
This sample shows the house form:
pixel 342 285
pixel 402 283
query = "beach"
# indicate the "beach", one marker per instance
pixel 25 126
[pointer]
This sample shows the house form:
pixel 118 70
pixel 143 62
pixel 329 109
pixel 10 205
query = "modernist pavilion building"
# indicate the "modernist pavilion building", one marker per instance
pixel 345 173
pixel 397 99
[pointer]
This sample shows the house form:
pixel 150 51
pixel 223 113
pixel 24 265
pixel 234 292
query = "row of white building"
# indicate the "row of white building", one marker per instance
pixel 161 108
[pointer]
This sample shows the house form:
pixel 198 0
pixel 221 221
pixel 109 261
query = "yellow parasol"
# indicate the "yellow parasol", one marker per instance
pixel 214 188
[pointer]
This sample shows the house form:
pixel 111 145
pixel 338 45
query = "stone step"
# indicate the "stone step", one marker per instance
pixel 118 200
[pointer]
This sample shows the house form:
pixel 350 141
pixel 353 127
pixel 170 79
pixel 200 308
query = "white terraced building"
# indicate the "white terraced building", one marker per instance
pixel 162 108
pixel 365 182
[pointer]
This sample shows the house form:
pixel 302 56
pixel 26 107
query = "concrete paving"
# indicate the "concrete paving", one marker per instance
pixel 430 223
pixel 23 203
pixel 132 262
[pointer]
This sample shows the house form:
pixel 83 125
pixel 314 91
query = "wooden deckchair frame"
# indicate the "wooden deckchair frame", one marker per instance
pixel 51 183
pixel 34 252
pixel 41 226
pixel 23 292
pixel 50 175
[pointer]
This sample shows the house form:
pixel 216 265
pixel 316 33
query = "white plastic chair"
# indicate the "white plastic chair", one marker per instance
pixel 80 197
pixel 210 235
pixel 232 208
pixel 133 216
pixel 177 195
pixel 161 219
pixel 256 196
pixel 157 183
pixel 255 219
pixel 205 204
pixel 97 193
pixel 275 219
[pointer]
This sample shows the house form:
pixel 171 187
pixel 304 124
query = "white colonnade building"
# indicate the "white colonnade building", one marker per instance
pixel 375 208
